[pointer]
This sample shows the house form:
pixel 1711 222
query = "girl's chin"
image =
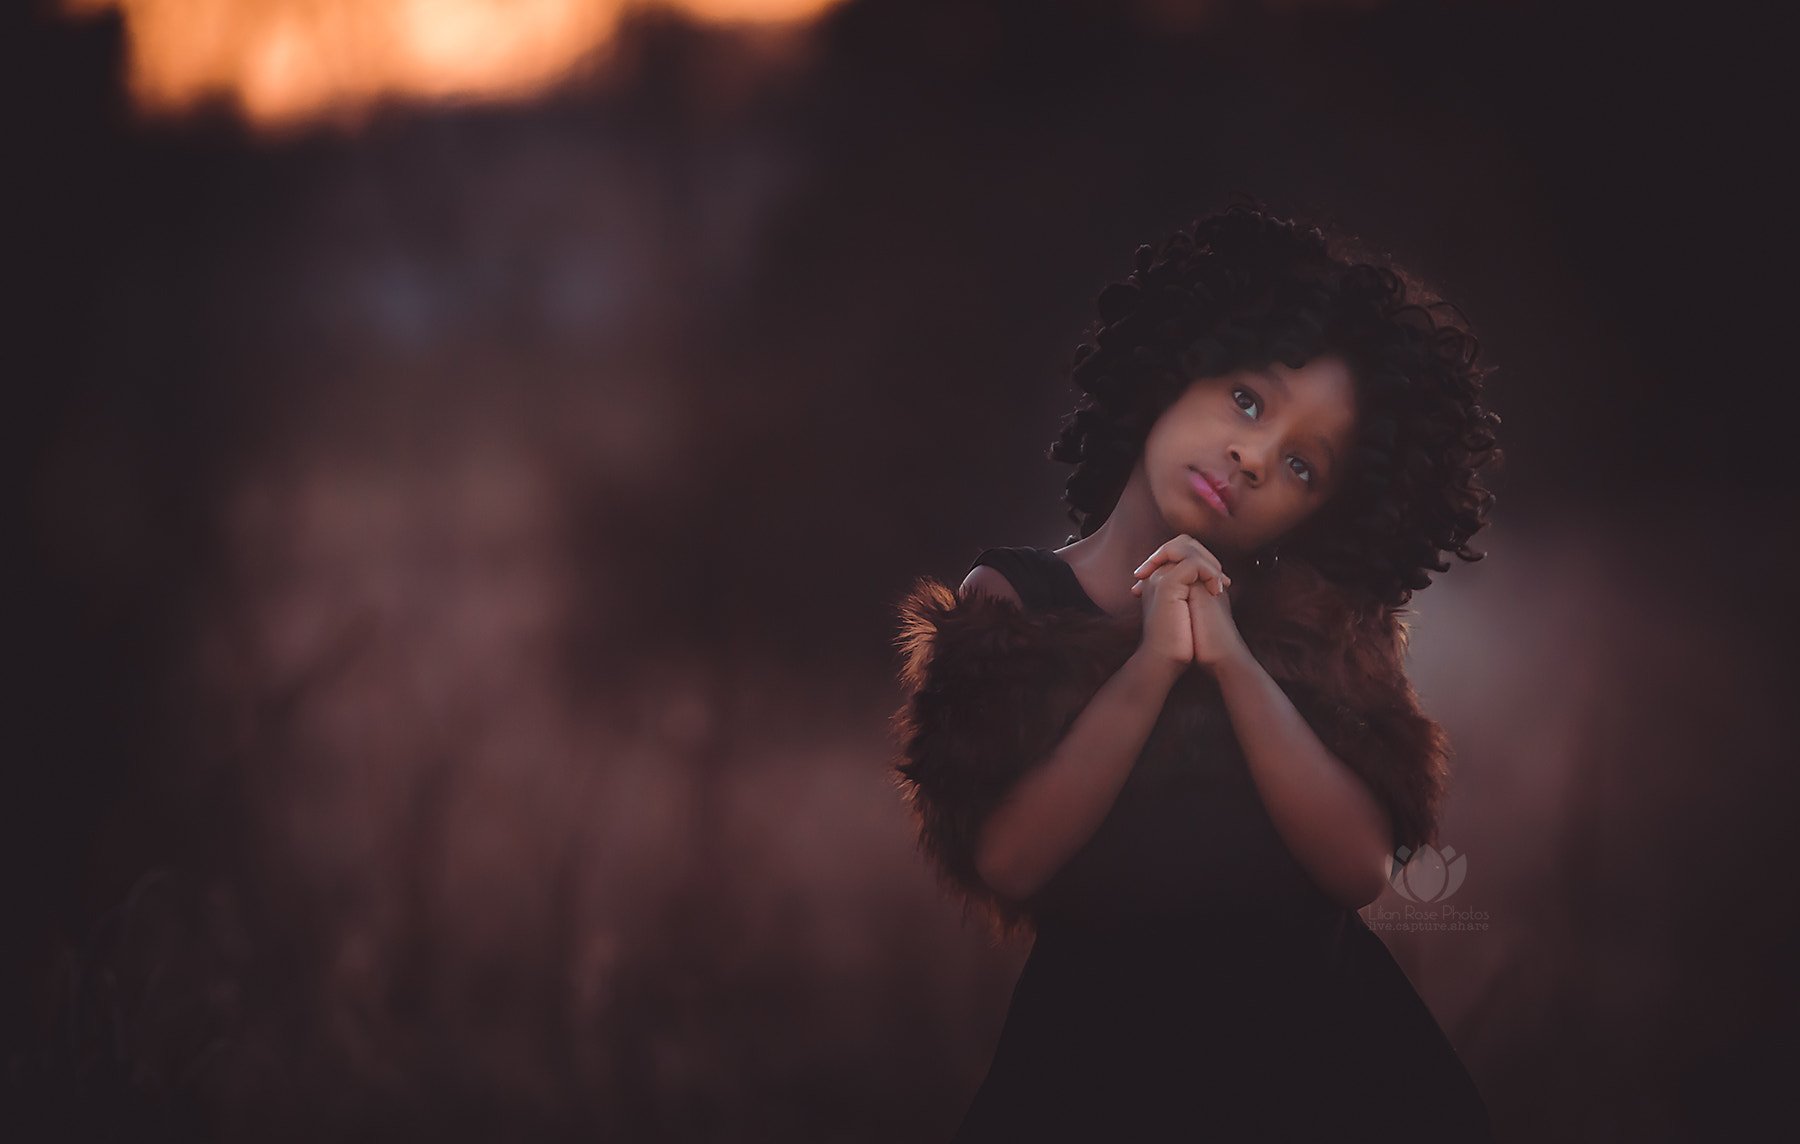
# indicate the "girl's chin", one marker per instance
pixel 1205 525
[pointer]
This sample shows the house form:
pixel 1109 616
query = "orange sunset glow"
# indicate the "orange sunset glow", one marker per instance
pixel 281 61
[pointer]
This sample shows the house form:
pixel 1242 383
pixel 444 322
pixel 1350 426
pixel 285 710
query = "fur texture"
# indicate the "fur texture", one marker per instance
pixel 991 688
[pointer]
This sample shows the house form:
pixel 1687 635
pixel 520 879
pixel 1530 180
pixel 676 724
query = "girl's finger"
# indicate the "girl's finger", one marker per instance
pixel 1185 573
pixel 1195 568
pixel 1169 551
pixel 1215 580
pixel 1157 560
pixel 1211 579
pixel 1175 550
pixel 1212 576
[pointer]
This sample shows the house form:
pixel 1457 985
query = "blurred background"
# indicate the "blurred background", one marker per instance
pixel 462 458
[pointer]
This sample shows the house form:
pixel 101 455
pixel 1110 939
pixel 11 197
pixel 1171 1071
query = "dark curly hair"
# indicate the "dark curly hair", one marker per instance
pixel 1241 289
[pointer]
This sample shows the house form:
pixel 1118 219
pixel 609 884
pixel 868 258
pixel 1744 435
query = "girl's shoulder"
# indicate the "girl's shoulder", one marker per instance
pixel 1020 614
pixel 1037 578
pixel 988 580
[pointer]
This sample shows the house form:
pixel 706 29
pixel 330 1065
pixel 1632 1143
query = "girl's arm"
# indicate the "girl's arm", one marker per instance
pixel 1328 818
pixel 1058 805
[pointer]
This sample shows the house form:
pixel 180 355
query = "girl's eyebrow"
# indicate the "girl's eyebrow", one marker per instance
pixel 1318 440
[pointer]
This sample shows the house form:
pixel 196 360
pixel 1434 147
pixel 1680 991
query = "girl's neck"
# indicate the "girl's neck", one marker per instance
pixel 1105 561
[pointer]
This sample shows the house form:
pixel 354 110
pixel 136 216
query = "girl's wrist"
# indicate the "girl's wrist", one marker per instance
pixel 1237 662
pixel 1157 669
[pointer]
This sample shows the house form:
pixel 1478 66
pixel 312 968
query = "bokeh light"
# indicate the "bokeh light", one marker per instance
pixel 283 61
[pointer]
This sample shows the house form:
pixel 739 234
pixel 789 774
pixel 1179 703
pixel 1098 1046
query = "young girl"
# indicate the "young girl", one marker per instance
pixel 1183 747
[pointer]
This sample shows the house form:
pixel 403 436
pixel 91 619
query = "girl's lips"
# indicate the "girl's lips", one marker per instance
pixel 1207 493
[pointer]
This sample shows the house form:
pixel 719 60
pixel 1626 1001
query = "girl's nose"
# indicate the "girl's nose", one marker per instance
pixel 1249 459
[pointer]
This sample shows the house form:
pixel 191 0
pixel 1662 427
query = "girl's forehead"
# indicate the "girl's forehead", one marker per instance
pixel 1327 373
pixel 1325 387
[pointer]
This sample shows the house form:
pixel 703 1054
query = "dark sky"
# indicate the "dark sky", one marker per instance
pixel 454 559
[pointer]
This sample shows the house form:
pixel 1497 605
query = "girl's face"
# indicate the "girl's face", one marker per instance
pixel 1239 460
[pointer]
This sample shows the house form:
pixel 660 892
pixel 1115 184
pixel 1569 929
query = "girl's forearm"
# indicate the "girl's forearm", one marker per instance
pixel 1325 814
pixel 1057 806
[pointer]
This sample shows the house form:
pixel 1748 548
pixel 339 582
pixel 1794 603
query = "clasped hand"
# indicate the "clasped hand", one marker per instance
pixel 1187 613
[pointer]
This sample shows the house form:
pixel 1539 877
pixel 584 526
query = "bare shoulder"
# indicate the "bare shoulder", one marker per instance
pixel 989 581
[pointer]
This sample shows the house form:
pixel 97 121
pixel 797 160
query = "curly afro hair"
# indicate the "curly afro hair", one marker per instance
pixel 1240 290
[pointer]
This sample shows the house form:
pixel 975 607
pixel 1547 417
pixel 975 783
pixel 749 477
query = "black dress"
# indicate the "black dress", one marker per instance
pixel 1251 1008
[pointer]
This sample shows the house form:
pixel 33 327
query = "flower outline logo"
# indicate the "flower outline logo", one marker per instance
pixel 1427 874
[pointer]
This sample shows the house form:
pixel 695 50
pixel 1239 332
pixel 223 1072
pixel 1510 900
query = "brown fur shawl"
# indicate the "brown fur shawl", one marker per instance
pixel 991 688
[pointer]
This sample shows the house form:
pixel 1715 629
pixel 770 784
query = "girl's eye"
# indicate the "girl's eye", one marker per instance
pixel 1303 471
